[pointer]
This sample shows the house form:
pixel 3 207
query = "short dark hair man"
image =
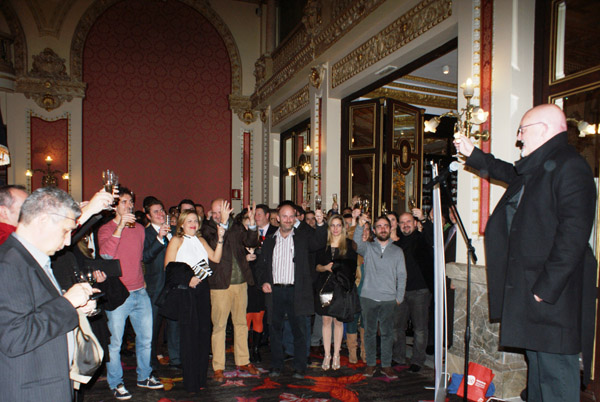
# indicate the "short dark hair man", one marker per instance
pixel 35 320
pixel 539 265
pixel 156 240
pixel 11 199
pixel 186 204
pixel 382 290
pixel 118 240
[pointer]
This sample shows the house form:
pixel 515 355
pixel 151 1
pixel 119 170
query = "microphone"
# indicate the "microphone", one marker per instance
pixel 453 167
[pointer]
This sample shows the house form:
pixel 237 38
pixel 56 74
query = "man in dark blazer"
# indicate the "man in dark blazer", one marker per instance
pixel 285 277
pixel 156 240
pixel 36 319
pixel 541 274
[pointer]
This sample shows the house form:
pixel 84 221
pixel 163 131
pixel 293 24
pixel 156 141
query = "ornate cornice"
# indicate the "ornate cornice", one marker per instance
pixel 202 6
pixel 430 81
pixel 422 89
pixel 290 106
pixel 20 42
pixel 414 98
pixel 48 83
pixel 308 42
pixel 409 26
pixel 242 106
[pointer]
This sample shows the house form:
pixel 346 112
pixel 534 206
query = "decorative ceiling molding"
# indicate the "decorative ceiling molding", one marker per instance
pixel 202 6
pixel 310 40
pixel 430 81
pixel 290 106
pixel 19 40
pixel 48 83
pixel 49 15
pixel 423 89
pixel 409 26
pixel 414 98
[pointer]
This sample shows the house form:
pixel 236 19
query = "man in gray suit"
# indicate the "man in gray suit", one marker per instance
pixel 36 318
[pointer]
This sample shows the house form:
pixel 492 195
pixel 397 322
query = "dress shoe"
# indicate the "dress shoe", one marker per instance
pixel 275 373
pixel 415 368
pixel 218 376
pixel 249 368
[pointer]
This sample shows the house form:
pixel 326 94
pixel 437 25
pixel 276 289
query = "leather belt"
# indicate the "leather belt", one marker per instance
pixel 284 285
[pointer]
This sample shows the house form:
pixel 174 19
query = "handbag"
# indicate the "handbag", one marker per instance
pixel 88 353
pixel 326 296
pixel 345 303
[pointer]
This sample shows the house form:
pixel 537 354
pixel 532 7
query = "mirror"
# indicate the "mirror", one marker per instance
pixel 362 126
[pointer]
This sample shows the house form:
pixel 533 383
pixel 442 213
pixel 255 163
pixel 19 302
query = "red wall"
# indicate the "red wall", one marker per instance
pixel 156 109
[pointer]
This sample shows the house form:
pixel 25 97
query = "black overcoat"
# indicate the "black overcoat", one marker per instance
pixel 543 250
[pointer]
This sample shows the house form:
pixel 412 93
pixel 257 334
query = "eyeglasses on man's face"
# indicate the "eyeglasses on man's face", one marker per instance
pixel 520 129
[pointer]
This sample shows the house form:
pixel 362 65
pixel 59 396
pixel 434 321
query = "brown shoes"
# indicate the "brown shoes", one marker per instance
pixel 219 377
pixel 389 373
pixel 249 368
pixel 369 371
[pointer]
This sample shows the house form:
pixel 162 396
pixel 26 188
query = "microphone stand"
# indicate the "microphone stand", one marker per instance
pixel 470 257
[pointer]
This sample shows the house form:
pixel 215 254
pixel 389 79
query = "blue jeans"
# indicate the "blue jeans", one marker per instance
pixel 381 312
pixel 139 310
pixel 415 306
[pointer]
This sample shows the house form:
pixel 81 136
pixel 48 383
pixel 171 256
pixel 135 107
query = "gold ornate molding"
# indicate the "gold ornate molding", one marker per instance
pixel 49 15
pixel 290 106
pixel 414 98
pixel 317 73
pixel 430 81
pixel 242 106
pixel 308 42
pixel 48 83
pixel 409 26
pixel 202 6
pixel 423 89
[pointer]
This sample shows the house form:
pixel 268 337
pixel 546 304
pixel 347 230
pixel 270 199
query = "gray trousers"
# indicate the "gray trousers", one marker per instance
pixel 381 313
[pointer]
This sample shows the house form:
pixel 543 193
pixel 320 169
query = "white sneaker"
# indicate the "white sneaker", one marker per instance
pixel 121 393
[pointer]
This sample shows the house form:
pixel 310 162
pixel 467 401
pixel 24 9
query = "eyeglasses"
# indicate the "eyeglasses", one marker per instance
pixel 520 129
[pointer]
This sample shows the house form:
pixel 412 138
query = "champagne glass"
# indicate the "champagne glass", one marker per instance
pixel 411 203
pixel 318 201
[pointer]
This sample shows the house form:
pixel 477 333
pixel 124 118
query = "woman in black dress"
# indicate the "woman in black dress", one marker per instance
pixel 336 264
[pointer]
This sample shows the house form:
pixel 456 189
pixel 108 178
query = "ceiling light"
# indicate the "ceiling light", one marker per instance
pixel 446 69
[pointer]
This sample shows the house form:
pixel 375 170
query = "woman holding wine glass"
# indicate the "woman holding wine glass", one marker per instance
pixel 336 262
pixel 194 313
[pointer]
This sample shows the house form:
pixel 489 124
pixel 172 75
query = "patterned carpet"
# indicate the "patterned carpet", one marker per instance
pixel 346 384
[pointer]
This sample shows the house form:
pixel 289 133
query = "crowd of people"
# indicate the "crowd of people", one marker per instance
pixel 183 275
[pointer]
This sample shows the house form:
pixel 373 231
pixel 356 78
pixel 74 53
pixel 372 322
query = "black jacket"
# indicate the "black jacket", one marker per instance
pixel 540 246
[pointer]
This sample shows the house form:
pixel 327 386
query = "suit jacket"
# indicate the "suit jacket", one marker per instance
pixel 34 321
pixel 536 240
pixel 305 241
pixel 154 261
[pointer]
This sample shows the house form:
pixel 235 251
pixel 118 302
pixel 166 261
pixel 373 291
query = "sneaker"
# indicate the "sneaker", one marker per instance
pixel 275 373
pixel 389 373
pixel 150 383
pixel 369 371
pixel 298 375
pixel 121 393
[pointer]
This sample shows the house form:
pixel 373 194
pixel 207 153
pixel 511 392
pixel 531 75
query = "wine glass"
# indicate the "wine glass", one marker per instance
pixel 318 201
pixel 86 274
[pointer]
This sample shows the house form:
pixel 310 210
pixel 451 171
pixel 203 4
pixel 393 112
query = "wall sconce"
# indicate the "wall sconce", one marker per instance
pixel 304 166
pixel 468 117
pixel 48 179
pixel 584 127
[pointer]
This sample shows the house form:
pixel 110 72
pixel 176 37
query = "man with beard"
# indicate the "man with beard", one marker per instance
pixel 382 290
pixel 419 287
